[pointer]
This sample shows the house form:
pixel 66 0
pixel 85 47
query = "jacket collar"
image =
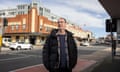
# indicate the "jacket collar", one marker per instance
pixel 54 33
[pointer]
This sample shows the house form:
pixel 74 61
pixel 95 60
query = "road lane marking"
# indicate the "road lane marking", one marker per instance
pixel 27 55
pixel 14 58
pixel 28 67
pixel 20 57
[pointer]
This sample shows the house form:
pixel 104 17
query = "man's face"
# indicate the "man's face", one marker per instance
pixel 61 24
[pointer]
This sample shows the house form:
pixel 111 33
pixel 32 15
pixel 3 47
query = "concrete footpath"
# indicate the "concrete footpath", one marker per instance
pixel 81 65
pixel 84 63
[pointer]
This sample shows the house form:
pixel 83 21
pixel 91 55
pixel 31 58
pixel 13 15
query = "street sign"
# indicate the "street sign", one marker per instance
pixel 118 37
pixel 118 26
pixel 111 25
pixel 118 29
pixel 108 25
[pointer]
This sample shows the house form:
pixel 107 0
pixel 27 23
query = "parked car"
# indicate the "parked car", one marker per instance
pixel 20 45
pixel 6 42
pixel 85 43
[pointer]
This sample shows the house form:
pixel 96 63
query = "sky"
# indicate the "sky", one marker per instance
pixel 87 14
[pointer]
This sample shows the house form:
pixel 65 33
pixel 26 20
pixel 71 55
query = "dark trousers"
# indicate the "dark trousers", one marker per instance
pixel 61 70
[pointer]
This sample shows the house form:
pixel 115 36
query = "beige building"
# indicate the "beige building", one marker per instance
pixel 33 28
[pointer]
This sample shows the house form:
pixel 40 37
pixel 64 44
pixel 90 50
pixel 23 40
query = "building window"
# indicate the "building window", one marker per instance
pixel 17 26
pixel 35 4
pixel 12 27
pixel 41 9
pixel 22 39
pixel 6 27
pixel 23 7
pixel 3 13
pixel 19 7
pixel 12 13
pixel 18 12
pixel 48 29
pixel 40 27
pixel 23 12
pixel 17 38
pixel 24 26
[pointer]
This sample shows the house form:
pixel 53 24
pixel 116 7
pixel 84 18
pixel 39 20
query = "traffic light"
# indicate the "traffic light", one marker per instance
pixel 114 25
pixel 108 25
pixel 111 25
pixel 5 22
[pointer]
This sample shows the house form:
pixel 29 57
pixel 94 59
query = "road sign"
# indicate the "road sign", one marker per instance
pixel 118 26
pixel 111 25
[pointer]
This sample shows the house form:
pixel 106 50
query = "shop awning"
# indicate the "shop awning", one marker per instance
pixel 112 7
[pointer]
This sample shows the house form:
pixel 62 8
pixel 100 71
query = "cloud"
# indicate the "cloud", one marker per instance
pixel 7 4
pixel 76 12
pixel 80 12
pixel 90 5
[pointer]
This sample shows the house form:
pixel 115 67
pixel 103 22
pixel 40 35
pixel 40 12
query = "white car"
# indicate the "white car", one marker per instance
pixel 6 41
pixel 20 45
pixel 85 44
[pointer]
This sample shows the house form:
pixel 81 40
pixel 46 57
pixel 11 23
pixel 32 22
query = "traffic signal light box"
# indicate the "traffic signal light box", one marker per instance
pixel 111 25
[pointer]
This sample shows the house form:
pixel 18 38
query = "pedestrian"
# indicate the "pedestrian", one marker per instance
pixel 60 50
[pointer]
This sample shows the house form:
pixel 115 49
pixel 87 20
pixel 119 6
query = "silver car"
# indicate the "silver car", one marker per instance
pixel 20 45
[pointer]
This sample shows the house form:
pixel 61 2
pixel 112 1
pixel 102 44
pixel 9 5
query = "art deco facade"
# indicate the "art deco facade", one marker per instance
pixel 29 23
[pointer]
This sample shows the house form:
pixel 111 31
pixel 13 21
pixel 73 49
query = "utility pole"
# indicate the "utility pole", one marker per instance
pixel 1 33
pixel 113 50
pixel 4 23
pixel 111 27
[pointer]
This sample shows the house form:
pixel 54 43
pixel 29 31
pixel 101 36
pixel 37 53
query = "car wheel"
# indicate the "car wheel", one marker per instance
pixel 18 48
pixel 31 48
pixel 12 48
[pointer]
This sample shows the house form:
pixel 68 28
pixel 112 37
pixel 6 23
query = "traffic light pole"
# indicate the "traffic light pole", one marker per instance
pixel 113 43
pixel 4 22
pixel 1 32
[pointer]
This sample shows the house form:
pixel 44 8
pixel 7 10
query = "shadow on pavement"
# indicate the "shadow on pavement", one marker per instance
pixel 109 65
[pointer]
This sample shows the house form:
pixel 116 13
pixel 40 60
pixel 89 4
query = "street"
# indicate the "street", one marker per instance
pixel 18 59
pixel 12 60
pixel 27 24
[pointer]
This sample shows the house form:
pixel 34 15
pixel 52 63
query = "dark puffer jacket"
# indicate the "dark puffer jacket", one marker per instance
pixel 51 54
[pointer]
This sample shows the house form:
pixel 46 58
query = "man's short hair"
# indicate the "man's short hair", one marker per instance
pixel 64 19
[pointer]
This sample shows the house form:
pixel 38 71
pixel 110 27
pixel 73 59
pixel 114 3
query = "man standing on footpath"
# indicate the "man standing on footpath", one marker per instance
pixel 60 50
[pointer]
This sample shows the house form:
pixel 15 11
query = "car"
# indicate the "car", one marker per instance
pixel 6 42
pixel 85 43
pixel 20 45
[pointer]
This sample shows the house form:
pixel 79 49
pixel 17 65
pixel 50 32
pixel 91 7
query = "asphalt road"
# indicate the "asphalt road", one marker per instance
pixel 18 59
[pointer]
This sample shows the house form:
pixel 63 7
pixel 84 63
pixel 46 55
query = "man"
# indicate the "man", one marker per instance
pixel 60 50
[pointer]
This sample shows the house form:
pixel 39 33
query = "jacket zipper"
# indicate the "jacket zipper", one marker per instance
pixel 66 50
